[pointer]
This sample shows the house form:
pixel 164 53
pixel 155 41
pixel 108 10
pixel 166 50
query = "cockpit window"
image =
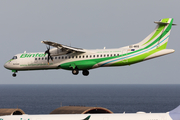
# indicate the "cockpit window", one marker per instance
pixel 14 57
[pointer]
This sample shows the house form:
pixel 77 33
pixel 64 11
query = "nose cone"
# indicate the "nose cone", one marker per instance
pixel 6 65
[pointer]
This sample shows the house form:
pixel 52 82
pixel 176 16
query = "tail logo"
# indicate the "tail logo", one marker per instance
pixel 87 118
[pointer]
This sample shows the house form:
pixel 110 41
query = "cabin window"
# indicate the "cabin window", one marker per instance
pixel 55 57
pixel 65 57
pixel 101 55
pixel 45 58
pixel 35 58
pixel 114 54
pixel 72 56
pixel 90 56
pixel 94 56
pixel 107 55
pixel 117 54
pixel 104 55
pixel 39 58
pixel 111 55
pixel 76 56
pixel 69 57
pixel 83 56
pixel 86 56
pixel 42 58
pixel 79 56
pixel 62 57
pixel 59 57
pixel 97 55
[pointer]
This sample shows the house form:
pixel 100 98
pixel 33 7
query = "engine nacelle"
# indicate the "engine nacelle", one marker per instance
pixel 57 52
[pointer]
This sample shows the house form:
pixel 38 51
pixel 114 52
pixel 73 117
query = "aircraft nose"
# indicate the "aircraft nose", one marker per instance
pixel 6 65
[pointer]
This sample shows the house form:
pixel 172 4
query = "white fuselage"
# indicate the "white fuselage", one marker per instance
pixel 33 61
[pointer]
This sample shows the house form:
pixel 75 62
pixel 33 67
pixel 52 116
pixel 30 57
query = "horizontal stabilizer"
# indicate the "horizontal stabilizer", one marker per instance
pixel 162 23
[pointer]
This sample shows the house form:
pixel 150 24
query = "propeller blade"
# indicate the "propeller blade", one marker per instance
pixel 48 59
pixel 51 58
pixel 49 54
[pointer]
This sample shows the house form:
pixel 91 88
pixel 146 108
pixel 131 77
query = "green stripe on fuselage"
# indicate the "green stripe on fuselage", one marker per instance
pixel 9 60
pixel 130 61
pixel 138 58
pixel 88 64
pixel 85 64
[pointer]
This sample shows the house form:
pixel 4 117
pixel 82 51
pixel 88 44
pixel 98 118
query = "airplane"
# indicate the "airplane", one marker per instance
pixel 76 59
pixel 171 115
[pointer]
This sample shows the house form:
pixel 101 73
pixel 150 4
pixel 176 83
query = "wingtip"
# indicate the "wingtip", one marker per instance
pixel 44 41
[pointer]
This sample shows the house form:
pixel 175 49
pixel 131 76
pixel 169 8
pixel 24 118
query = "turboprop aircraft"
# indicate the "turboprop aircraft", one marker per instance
pixel 76 59
pixel 172 115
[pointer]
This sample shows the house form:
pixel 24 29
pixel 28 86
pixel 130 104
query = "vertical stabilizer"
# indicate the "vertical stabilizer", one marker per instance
pixel 176 110
pixel 175 114
pixel 159 37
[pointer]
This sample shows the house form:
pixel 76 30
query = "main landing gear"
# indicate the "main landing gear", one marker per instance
pixel 85 72
pixel 76 71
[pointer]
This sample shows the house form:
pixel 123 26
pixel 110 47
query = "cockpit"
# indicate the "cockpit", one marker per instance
pixel 14 57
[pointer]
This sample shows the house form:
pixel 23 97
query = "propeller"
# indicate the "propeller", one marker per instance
pixel 49 54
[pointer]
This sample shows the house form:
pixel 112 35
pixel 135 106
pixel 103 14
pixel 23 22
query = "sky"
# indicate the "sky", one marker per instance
pixel 88 24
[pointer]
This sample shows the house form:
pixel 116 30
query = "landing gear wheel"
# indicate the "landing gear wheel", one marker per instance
pixel 75 71
pixel 85 72
pixel 14 74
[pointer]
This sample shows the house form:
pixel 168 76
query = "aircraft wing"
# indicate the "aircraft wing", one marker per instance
pixel 64 47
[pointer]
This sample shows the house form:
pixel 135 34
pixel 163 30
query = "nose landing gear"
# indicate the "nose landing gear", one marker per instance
pixel 14 74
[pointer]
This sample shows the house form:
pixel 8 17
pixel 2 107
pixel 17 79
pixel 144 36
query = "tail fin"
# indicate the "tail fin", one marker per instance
pixel 159 37
pixel 175 114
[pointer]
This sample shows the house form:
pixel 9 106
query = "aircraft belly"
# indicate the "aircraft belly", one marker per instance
pixel 81 65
